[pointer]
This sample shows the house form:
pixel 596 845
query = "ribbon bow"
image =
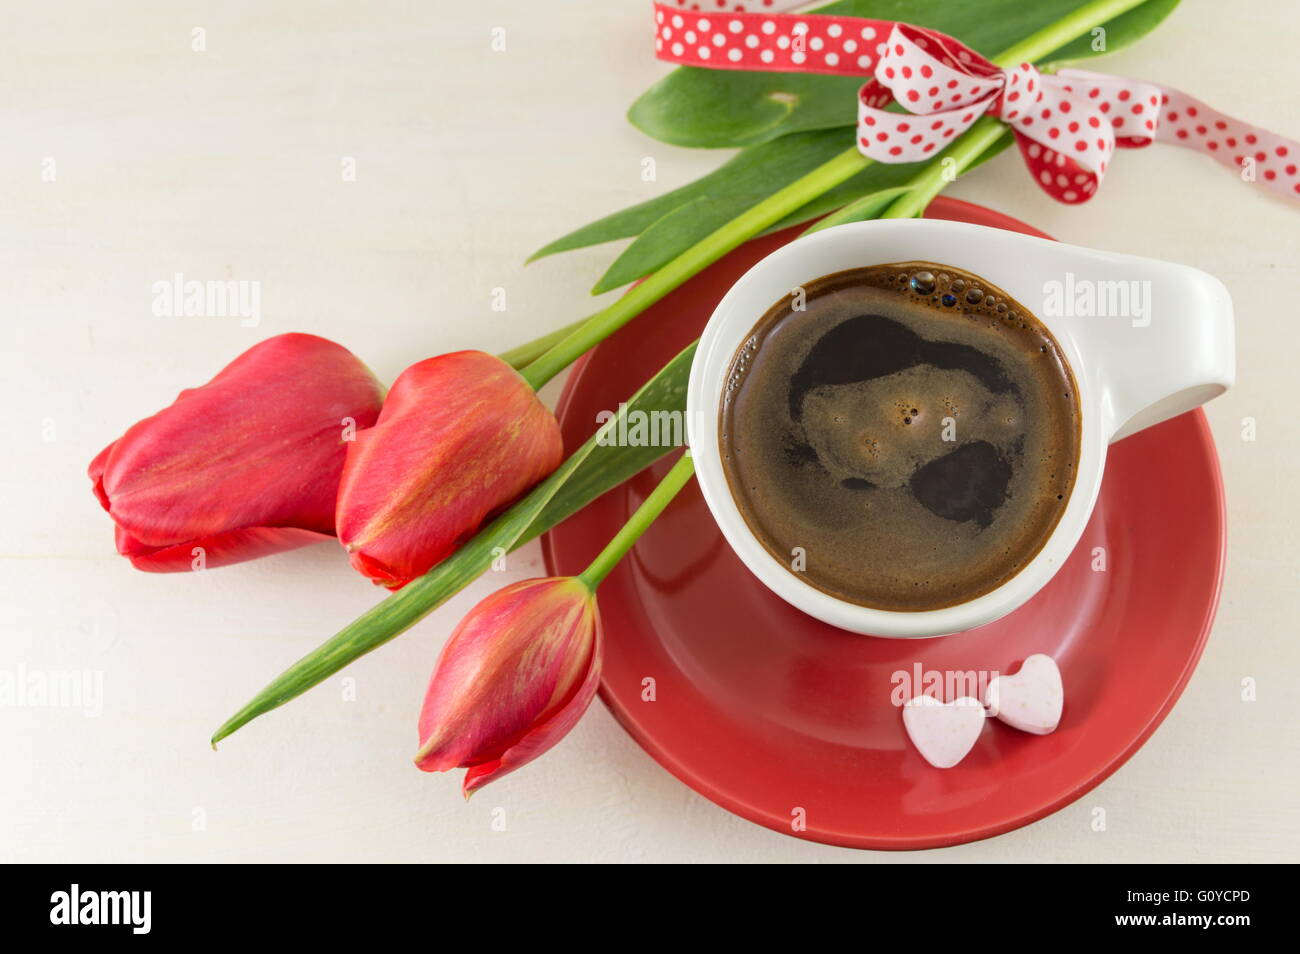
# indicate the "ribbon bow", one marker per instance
pixel 1067 124
pixel 1066 135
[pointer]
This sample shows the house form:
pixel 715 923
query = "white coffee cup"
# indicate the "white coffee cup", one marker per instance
pixel 1171 351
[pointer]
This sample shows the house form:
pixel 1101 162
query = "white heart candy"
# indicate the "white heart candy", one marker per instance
pixel 943 733
pixel 1031 700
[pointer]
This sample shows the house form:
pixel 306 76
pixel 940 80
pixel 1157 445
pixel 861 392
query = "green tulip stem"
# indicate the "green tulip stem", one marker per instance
pixel 778 205
pixel 640 521
pixel 1070 27
pixel 525 354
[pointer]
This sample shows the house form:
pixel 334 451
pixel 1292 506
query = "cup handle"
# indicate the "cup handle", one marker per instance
pixel 1173 350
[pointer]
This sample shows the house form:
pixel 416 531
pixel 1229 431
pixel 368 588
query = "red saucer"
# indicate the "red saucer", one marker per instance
pixel 778 717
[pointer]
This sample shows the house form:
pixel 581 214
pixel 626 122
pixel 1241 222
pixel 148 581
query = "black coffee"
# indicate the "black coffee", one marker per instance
pixel 903 436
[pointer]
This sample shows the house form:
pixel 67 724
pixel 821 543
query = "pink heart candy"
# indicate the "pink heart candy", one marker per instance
pixel 943 732
pixel 1031 699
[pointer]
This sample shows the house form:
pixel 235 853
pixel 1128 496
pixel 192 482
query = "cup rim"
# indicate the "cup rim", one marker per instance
pixel 977 249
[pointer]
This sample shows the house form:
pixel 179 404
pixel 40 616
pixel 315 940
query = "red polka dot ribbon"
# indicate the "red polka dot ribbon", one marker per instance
pixel 1067 124
pixel 735 38
pixel 1066 134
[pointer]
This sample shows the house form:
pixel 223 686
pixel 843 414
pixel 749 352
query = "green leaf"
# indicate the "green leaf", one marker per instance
pixel 590 471
pixel 662 241
pixel 727 108
pixel 716 109
pixel 751 175
pixel 608 465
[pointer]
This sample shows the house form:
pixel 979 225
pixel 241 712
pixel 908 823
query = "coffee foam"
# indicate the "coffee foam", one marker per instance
pixel 913 431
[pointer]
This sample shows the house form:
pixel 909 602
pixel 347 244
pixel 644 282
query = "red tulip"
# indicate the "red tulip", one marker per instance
pixel 244 466
pixel 513 679
pixel 460 437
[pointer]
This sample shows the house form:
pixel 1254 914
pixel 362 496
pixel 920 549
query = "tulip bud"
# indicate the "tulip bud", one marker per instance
pixel 244 466
pixel 460 437
pixel 514 677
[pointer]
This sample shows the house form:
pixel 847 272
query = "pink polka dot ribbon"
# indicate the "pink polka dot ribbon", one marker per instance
pixel 1067 124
